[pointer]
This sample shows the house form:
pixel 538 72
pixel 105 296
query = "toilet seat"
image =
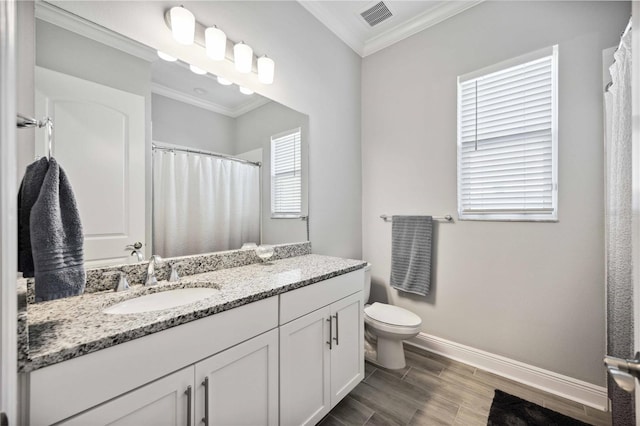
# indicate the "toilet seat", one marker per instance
pixel 392 315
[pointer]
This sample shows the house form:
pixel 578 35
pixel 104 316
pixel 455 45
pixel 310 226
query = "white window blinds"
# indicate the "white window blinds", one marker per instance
pixel 507 141
pixel 286 174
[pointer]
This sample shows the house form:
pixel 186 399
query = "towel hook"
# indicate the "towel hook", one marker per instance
pixel 24 122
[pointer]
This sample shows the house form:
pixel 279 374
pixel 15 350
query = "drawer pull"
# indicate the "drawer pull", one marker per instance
pixel 205 419
pixel 336 338
pixel 188 393
pixel 330 342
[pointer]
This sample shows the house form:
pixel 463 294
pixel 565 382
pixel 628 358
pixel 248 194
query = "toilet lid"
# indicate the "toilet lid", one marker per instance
pixel 393 315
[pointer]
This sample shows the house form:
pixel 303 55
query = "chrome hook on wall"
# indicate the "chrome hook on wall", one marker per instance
pixel 29 122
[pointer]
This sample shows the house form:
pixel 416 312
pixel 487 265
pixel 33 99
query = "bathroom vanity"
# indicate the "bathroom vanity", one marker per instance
pixel 274 344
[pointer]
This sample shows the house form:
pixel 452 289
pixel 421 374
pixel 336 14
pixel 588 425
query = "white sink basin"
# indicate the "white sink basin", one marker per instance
pixel 159 301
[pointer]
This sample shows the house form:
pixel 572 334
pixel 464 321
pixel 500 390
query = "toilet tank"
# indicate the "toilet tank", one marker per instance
pixel 367 282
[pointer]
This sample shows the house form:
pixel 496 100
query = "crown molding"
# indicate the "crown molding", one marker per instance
pixel 176 95
pixel 393 35
pixel 419 23
pixel 349 37
pixel 61 18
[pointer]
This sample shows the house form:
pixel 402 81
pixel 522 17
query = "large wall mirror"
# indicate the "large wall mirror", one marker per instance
pixel 156 153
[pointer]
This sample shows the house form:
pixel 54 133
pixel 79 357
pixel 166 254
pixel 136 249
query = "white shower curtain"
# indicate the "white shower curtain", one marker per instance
pixel 618 223
pixel 203 203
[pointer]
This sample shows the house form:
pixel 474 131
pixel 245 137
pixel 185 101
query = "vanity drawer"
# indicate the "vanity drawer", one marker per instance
pixel 67 388
pixel 297 303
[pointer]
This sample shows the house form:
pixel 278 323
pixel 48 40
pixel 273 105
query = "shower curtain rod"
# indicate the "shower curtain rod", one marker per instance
pixel 212 154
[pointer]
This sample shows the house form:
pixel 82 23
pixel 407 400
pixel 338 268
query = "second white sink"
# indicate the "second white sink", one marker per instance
pixel 159 301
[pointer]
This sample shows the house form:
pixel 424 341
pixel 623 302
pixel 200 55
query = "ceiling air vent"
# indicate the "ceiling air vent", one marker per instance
pixel 376 14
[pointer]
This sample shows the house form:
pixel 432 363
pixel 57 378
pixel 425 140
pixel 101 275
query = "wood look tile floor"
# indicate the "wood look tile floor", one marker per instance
pixel 434 390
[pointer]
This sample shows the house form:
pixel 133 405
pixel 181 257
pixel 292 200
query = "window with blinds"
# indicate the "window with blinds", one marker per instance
pixel 507 140
pixel 286 174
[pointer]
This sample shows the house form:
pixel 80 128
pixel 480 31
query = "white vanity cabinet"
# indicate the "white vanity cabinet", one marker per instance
pixel 124 371
pixel 165 402
pixel 321 353
pixel 285 360
pixel 238 386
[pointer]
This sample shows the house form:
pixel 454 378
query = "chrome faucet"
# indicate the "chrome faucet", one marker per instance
pixel 151 270
pixel 135 250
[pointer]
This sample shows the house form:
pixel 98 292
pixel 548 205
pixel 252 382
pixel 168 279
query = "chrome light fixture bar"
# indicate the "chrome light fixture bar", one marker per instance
pixel 217 45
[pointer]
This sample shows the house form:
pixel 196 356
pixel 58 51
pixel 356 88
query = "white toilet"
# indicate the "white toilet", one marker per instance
pixel 387 325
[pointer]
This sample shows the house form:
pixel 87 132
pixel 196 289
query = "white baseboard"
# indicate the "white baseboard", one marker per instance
pixel 545 380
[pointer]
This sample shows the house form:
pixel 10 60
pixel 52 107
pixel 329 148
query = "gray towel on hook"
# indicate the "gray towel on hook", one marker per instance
pixel 27 196
pixel 57 238
pixel 411 248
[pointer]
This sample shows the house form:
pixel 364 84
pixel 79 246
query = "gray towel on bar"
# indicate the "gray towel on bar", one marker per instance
pixel 57 239
pixel 27 196
pixel 411 248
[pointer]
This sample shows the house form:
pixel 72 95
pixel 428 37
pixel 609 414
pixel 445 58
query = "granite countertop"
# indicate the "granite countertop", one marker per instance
pixel 63 329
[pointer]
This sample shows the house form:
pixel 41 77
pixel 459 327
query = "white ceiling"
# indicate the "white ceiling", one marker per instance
pixel 409 17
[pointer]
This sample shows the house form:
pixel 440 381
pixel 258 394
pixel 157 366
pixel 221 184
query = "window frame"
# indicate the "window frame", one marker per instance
pixel 283 215
pixel 506 215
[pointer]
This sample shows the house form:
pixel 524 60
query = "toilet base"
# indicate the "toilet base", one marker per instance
pixel 390 353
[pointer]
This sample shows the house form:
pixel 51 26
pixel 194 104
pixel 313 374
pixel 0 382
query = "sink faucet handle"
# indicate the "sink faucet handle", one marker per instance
pixel 136 250
pixel 123 283
pixel 174 271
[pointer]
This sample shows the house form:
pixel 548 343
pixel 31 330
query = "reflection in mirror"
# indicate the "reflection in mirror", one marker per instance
pixel 200 189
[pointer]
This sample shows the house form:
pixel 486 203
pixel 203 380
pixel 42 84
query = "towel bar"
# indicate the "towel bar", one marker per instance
pixel 446 218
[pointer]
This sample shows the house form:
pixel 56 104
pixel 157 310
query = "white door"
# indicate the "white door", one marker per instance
pixel 305 396
pixel 99 140
pixel 347 352
pixel 240 385
pixel 163 402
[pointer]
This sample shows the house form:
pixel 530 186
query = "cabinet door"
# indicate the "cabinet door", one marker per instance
pixel 305 369
pixel 163 402
pixel 347 353
pixel 240 385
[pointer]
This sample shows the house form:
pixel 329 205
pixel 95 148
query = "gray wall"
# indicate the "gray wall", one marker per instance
pixel 316 74
pixel 254 130
pixel 533 292
pixel 179 123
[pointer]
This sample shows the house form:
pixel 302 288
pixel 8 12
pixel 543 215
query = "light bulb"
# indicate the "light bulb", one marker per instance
pixel 216 43
pixel 183 25
pixel 166 57
pixel 243 57
pixel 197 70
pixel 224 81
pixel 266 69
pixel 246 91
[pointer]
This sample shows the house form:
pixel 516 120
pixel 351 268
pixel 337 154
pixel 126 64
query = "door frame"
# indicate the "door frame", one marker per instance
pixel 635 142
pixel 8 211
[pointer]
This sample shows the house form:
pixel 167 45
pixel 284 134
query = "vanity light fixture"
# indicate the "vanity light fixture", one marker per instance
pixel 246 91
pixel 224 81
pixel 183 25
pixel 266 69
pixel 216 43
pixel 243 57
pixel 166 57
pixel 186 30
pixel 197 70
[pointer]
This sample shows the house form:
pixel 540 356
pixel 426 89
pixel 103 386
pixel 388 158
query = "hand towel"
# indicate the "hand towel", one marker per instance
pixel 411 248
pixel 27 196
pixel 57 238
